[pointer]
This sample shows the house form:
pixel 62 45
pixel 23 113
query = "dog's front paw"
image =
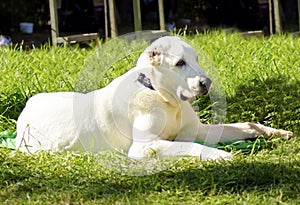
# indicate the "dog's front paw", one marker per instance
pixel 283 134
pixel 215 154
pixel 270 132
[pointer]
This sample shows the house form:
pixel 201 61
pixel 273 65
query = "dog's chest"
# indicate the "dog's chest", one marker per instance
pixel 172 127
pixel 164 119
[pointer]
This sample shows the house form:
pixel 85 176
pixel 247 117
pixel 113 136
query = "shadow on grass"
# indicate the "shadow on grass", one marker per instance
pixel 240 177
pixel 22 179
pixel 273 102
pixel 208 180
pixel 221 179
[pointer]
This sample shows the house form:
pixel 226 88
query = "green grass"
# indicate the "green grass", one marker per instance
pixel 260 78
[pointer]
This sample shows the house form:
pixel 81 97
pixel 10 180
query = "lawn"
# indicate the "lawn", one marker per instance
pixel 255 79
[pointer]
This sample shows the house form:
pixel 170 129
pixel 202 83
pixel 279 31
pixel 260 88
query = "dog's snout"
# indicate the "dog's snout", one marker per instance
pixel 204 85
pixel 199 85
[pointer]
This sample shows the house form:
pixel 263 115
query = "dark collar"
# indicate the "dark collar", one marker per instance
pixel 142 78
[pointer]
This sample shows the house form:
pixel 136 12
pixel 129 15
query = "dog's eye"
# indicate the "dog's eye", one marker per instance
pixel 180 63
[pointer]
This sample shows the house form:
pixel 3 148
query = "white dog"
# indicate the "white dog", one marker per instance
pixel 142 112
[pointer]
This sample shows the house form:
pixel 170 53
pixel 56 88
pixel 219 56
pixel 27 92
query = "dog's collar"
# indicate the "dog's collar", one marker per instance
pixel 144 80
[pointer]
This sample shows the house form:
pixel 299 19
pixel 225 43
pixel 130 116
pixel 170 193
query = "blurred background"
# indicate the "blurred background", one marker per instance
pixel 88 16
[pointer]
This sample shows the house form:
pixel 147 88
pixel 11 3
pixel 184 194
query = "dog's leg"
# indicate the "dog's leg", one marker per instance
pixel 146 129
pixel 237 131
pixel 140 150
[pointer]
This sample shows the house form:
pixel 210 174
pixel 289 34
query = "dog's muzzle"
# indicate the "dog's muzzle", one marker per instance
pixel 199 85
pixel 204 86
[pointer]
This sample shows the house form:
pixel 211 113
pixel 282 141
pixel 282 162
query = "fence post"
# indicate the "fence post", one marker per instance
pixel 271 17
pixel 105 19
pixel 112 16
pixel 299 13
pixel 161 15
pixel 54 21
pixel 278 28
pixel 137 15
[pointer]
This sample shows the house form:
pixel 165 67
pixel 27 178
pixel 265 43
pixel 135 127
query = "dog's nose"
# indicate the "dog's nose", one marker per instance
pixel 204 85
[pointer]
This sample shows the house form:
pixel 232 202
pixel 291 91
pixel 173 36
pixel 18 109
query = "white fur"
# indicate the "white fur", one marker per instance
pixel 127 116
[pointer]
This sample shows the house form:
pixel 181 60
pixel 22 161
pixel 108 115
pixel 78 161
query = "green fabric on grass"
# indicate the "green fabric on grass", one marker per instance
pixel 7 139
pixel 247 146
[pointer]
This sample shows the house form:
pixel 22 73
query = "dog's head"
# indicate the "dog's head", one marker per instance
pixel 175 69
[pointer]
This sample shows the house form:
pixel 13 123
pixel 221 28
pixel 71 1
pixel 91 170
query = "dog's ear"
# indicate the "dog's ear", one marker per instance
pixel 155 58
